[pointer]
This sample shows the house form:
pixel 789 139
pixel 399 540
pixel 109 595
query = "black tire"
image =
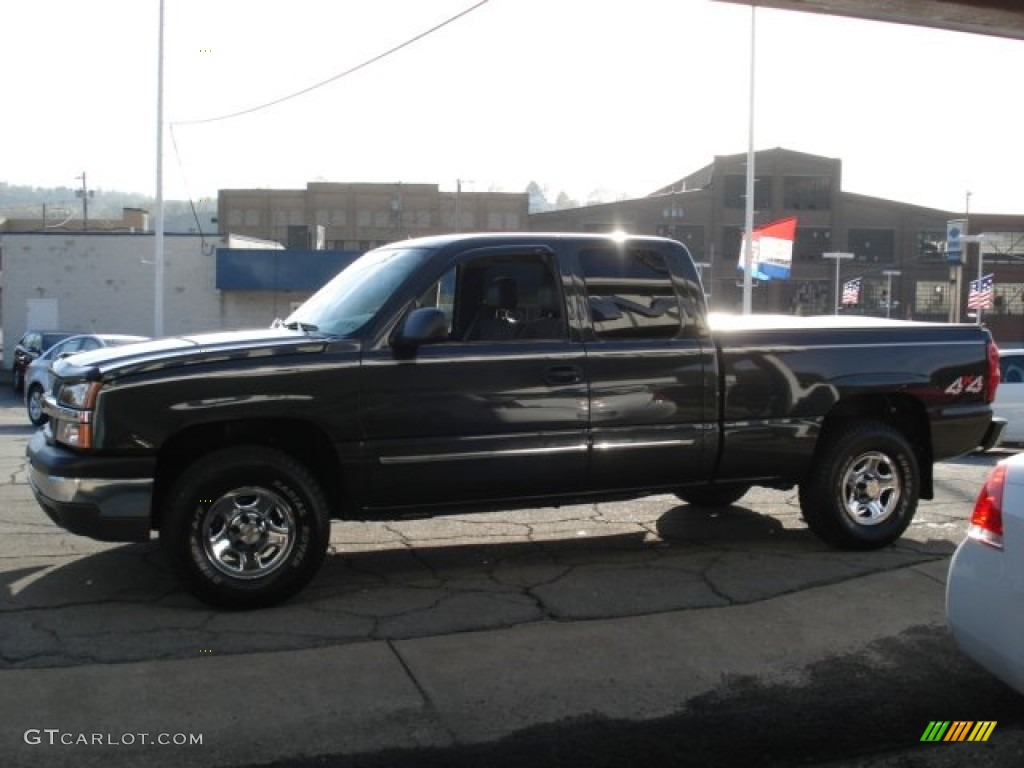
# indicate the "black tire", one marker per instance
pixel 34 405
pixel 245 527
pixel 863 487
pixel 712 495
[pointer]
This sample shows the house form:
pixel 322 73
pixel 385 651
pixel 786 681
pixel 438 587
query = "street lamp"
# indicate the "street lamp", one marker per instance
pixel 839 258
pixel 984 237
pixel 889 274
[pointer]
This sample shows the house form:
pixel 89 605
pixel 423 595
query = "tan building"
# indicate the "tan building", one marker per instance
pixel 361 216
pixel 706 211
pixel 61 220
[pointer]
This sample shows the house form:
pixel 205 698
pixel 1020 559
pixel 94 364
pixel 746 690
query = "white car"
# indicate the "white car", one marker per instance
pixel 985 586
pixel 1009 402
pixel 39 374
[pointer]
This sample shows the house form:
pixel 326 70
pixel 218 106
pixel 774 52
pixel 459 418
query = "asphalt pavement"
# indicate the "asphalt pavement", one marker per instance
pixel 628 633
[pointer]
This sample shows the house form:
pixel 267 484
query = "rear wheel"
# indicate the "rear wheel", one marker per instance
pixel 245 527
pixel 34 405
pixel 863 487
pixel 712 495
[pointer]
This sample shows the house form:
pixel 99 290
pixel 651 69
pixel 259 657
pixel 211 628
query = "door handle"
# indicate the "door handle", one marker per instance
pixel 563 374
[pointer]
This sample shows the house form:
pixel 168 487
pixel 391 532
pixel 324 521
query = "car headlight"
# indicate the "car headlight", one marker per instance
pixel 81 396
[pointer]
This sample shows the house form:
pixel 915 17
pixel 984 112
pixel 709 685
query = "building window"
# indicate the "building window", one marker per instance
pixel 252 217
pixel 872 245
pixel 511 222
pixel 234 218
pixel 812 297
pixel 930 244
pixel 494 221
pixel 931 297
pixel 807 193
pixel 811 242
pixel 732 241
pixel 1008 299
pixel 338 218
pixel 736 192
pixel 1003 246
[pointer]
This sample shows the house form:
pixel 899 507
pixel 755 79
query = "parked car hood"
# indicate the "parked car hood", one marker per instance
pixel 179 351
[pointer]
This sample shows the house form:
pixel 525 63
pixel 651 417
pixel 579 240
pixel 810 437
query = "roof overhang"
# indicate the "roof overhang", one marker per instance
pixel 998 18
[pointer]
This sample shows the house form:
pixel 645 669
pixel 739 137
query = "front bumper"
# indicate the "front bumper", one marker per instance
pixel 100 497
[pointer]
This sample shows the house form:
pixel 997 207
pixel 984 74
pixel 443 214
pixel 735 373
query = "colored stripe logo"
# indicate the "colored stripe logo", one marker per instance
pixel 958 730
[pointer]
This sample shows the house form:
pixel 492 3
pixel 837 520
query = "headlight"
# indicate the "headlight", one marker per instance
pixel 74 434
pixel 80 396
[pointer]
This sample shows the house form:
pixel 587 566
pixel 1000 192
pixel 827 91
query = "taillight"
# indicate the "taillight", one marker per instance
pixel 993 372
pixel 987 519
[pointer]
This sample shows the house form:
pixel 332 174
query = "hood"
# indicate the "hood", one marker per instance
pixel 180 351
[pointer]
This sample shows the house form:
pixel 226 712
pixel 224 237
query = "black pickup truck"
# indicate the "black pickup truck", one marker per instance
pixel 492 371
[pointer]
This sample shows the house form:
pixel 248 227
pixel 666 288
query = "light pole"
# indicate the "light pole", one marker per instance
pixel 85 193
pixel 889 274
pixel 839 258
pixel 984 237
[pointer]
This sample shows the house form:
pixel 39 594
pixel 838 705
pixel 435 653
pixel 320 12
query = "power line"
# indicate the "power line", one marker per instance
pixel 346 73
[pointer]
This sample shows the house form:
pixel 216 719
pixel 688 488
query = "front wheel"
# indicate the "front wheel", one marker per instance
pixel 34 405
pixel 863 487
pixel 245 527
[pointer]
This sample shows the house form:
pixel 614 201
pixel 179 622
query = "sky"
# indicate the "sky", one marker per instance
pixel 587 97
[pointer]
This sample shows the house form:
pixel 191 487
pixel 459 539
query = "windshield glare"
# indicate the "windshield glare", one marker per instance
pixel 347 302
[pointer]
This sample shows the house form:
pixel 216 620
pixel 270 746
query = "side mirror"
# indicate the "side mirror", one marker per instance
pixel 422 326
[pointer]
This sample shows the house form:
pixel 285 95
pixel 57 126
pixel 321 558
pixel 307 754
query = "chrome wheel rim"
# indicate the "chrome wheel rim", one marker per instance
pixel 871 488
pixel 249 533
pixel 35 405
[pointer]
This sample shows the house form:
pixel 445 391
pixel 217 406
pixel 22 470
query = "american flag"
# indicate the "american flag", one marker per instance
pixel 980 294
pixel 851 291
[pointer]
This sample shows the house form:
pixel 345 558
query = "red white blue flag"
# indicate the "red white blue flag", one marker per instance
pixel 981 293
pixel 851 291
pixel 771 250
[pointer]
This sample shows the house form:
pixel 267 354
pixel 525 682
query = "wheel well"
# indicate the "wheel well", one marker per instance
pixel 904 413
pixel 299 439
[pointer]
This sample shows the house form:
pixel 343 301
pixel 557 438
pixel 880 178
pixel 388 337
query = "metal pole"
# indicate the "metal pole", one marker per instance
pixel 748 251
pixel 981 260
pixel 158 235
pixel 838 257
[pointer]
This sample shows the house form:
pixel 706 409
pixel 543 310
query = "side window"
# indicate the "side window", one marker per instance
pixel 88 344
pixel 500 298
pixel 1012 369
pixel 631 294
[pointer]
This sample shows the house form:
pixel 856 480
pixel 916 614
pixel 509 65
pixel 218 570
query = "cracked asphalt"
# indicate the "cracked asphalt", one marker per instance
pixel 483 639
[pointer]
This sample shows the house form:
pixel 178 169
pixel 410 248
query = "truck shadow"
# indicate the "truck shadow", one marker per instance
pixel 381 581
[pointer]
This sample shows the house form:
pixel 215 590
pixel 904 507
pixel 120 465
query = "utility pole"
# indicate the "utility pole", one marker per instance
pixel 748 222
pixel 85 193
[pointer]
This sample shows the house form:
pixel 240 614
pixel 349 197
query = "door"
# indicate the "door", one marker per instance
pixel 651 392
pixel 497 410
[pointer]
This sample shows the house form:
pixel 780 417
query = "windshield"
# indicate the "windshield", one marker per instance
pixel 347 302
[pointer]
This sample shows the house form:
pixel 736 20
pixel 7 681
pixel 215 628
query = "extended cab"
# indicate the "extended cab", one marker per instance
pixel 475 371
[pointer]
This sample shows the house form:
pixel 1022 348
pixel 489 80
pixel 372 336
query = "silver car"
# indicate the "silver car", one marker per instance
pixel 39 374
pixel 1009 402
pixel 985 586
